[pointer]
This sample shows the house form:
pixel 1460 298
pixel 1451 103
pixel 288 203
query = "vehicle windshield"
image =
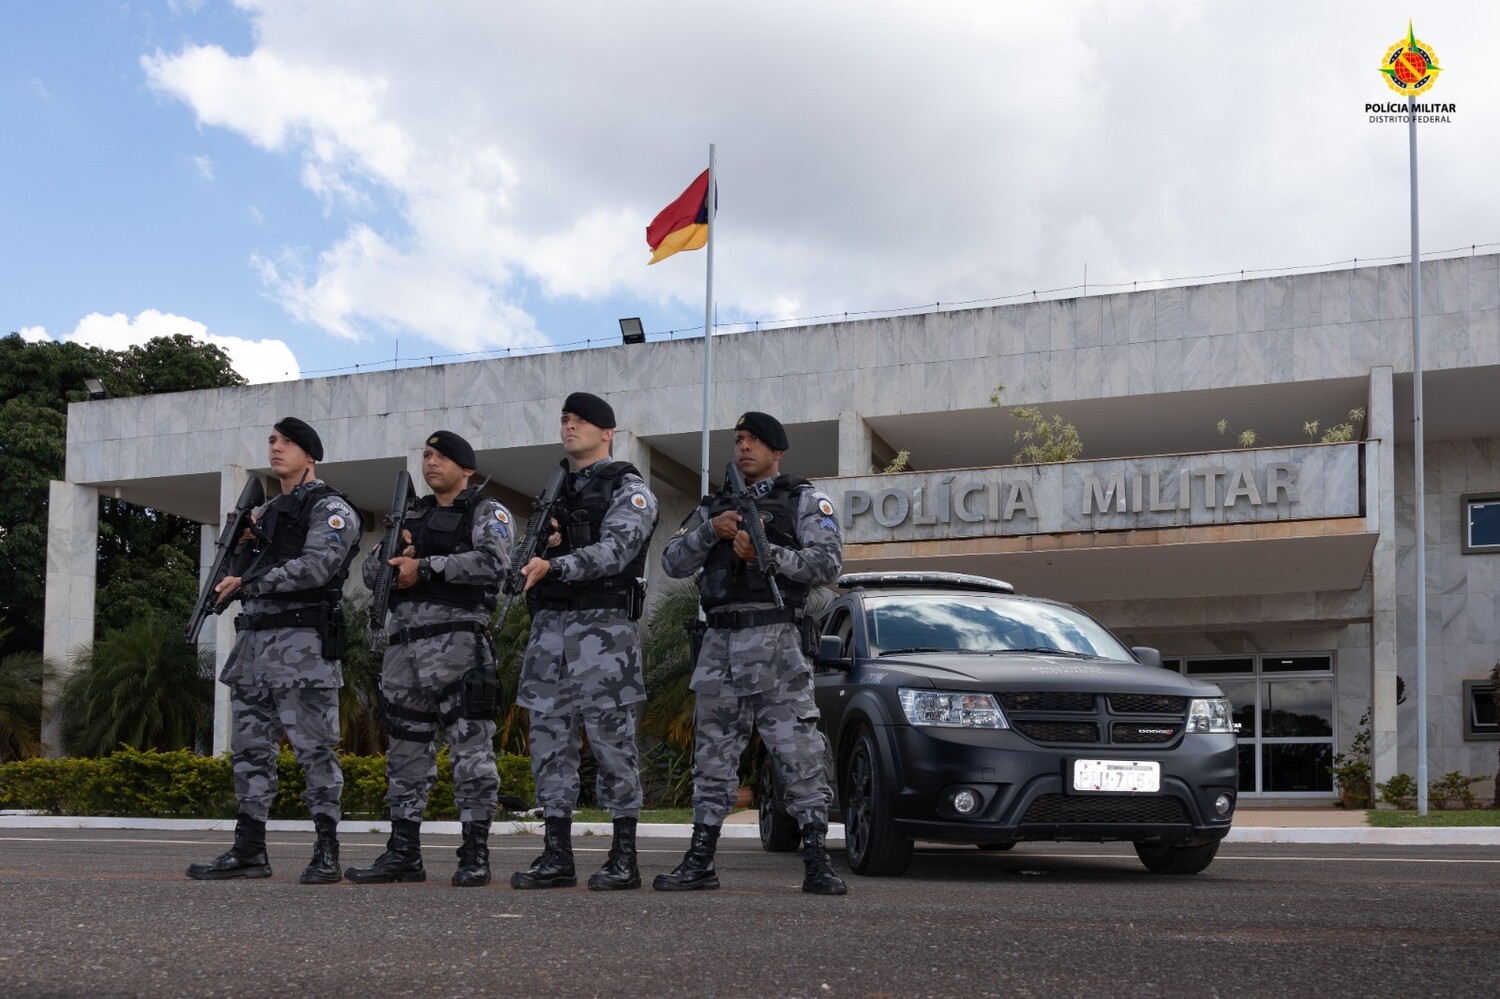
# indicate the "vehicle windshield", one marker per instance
pixel 984 622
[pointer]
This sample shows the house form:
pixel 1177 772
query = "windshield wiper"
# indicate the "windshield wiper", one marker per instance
pixel 1047 652
pixel 902 652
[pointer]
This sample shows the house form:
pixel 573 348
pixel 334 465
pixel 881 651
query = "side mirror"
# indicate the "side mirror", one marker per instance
pixel 1147 656
pixel 831 653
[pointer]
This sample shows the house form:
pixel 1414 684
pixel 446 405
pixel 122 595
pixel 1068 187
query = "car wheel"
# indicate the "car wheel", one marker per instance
pixel 1176 859
pixel 996 846
pixel 872 843
pixel 778 831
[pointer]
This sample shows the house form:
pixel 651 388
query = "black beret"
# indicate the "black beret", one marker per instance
pixel 766 427
pixel 446 442
pixel 591 408
pixel 302 435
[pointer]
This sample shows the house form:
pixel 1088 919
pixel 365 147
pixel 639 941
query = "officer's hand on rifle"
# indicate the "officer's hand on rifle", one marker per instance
pixel 226 589
pixel 533 571
pixel 726 525
pixel 406 570
pixel 555 537
pixel 744 547
pixel 408 550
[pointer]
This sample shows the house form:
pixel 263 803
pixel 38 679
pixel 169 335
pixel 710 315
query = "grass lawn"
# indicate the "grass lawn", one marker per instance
pixel 1387 819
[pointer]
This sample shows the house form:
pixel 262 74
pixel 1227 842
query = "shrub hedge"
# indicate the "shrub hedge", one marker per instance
pixel 182 784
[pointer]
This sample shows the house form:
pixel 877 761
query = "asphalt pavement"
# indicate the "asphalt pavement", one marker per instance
pixel 107 912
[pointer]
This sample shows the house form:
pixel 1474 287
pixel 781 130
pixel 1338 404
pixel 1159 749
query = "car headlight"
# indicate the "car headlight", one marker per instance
pixel 952 709
pixel 1210 714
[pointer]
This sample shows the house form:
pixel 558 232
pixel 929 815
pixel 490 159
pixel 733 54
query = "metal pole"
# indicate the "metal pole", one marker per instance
pixel 1420 527
pixel 708 322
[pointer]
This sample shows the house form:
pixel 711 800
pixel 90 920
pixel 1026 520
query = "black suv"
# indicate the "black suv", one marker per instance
pixel 957 710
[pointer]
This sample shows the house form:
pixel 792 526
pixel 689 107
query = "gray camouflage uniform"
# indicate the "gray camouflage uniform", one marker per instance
pixel 583 668
pixel 757 676
pixel 279 681
pixel 423 677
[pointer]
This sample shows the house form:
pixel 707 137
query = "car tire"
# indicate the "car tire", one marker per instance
pixel 778 830
pixel 1176 859
pixel 872 843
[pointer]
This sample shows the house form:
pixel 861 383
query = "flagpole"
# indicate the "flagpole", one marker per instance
pixel 1419 528
pixel 708 320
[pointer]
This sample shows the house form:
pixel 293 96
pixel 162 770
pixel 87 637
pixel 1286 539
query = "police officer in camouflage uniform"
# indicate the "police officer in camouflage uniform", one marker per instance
pixel 283 672
pixel 439 669
pixel 583 662
pixel 750 670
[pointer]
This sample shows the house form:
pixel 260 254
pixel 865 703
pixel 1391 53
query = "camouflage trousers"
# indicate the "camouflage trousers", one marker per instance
pixel 411 758
pixel 309 718
pixel 555 753
pixel 787 718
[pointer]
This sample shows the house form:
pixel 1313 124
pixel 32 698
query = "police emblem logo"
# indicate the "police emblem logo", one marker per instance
pixel 337 522
pixel 502 516
pixel 432 440
pixel 740 422
pixel 638 501
pixel 825 508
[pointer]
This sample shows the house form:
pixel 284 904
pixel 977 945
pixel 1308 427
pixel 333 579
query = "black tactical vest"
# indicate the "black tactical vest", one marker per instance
pixel 281 534
pixel 446 530
pixel 729 579
pixel 580 517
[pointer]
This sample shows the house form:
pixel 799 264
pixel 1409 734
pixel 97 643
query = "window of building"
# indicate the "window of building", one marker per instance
pixel 1284 712
pixel 1480 723
pixel 1480 513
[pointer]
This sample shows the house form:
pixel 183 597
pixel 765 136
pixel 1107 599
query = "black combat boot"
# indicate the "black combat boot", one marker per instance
pixel 820 879
pixel 323 869
pixel 401 861
pixel 246 859
pixel 619 871
pixel 696 872
pixel 554 868
pixel 474 856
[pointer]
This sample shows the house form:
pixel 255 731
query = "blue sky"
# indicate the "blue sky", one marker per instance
pixel 312 182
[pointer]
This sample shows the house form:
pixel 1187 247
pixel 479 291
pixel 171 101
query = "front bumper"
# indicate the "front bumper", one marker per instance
pixel 1025 795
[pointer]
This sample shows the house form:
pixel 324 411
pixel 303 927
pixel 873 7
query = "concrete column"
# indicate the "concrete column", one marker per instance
pixel 72 560
pixel 1380 501
pixel 856 445
pixel 414 469
pixel 232 479
pixel 628 447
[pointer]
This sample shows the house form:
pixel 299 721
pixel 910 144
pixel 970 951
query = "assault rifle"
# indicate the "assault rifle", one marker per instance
pixel 235 522
pixel 538 526
pixel 750 522
pixel 390 545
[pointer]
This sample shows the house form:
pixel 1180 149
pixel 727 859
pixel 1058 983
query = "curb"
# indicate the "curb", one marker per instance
pixel 1357 835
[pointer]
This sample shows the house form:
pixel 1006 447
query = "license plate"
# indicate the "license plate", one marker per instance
pixel 1117 776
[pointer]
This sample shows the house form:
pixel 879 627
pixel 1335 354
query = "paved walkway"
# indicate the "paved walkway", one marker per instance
pixel 1251 825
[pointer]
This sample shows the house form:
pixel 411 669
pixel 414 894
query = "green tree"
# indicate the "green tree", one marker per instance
pixel 137 574
pixel 21 676
pixel 141 687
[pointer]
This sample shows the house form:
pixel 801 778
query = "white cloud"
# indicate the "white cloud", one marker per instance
pixel 872 154
pixel 205 166
pixel 34 334
pixel 39 89
pixel 258 360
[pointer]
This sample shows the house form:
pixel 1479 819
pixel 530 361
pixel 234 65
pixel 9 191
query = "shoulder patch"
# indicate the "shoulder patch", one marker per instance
pixel 337 522
pixel 825 508
pixel 501 515
pixel 638 500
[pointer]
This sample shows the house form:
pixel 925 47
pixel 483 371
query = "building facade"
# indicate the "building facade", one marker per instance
pixel 1282 568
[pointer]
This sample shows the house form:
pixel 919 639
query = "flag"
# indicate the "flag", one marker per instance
pixel 682 225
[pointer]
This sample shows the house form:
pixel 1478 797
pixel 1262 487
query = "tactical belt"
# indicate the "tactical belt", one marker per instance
pixel 309 617
pixel 738 620
pixel 594 601
pixel 401 636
